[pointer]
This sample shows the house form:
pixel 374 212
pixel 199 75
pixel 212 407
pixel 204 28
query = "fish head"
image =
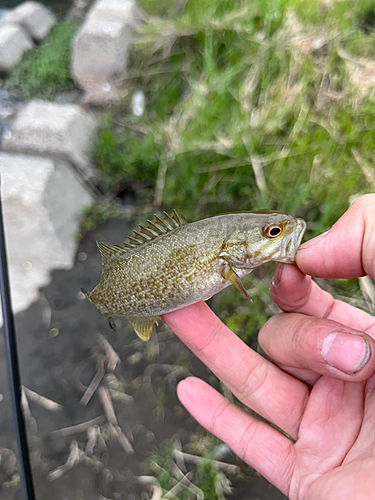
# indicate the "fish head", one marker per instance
pixel 276 237
pixel 264 236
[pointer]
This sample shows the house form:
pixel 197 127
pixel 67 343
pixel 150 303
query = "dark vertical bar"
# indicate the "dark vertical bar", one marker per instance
pixel 13 366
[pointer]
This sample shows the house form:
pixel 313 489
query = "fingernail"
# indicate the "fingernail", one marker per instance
pixel 346 352
pixel 313 242
pixel 275 282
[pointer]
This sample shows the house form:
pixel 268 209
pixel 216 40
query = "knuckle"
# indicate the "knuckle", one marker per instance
pixel 247 438
pixel 210 338
pixel 253 381
pixel 363 203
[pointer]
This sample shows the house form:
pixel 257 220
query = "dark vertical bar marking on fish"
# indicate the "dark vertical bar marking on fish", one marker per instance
pixel 13 366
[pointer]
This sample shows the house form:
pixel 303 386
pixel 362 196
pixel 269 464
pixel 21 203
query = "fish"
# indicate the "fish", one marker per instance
pixel 170 263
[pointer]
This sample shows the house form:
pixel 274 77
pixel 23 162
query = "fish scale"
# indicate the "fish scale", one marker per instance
pixel 171 263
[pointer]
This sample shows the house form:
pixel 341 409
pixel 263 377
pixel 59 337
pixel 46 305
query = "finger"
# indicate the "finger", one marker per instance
pixel 347 249
pixel 293 291
pixel 361 446
pixel 330 427
pixel 258 444
pixel 321 345
pixel 258 383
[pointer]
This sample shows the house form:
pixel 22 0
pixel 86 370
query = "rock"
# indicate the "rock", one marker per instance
pixel 13 43
pixel 63 131
pixel 42 203
pixel 33 17
pixel 100 49
pixel 123 11
pixel 99 55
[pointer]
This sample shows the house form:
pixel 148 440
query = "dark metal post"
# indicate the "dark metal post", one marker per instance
pixel 13 367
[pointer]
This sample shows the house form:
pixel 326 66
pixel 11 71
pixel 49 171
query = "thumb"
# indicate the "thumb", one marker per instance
pixel 347 249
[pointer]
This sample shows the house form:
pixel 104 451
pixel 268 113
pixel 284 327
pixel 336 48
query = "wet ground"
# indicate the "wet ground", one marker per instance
pixel 58 343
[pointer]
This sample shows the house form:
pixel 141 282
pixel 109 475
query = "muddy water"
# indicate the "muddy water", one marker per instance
pixel 59 355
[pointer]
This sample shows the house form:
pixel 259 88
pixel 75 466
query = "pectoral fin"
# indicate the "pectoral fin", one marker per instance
pixel 230 275
pixel 144 326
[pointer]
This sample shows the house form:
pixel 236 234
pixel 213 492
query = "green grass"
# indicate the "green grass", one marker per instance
pixel 45 70
pixel 241 115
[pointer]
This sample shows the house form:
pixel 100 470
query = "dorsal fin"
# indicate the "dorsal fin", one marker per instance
pixel 114 253
pixel 155 228
pixel 110 253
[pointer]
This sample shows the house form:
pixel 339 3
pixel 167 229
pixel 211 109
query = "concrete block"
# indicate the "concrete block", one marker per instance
pixel 13 43
pixel 100 49
pixel 123 11
pixel 42 204
pixel 63 131
pixel 33 17
pixel 100 52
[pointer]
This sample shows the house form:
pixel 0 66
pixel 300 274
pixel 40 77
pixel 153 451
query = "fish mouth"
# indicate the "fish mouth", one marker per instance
pixel 291 245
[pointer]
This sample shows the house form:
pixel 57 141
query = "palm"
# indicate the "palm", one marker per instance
pixel 334 439
pixel 329 420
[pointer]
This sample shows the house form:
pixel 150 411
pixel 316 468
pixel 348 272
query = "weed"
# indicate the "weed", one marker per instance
pixel 45 70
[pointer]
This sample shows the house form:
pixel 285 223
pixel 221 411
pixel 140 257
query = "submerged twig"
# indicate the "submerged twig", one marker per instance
pixel 105 399
pixel 230 468
pixel 42 401
pixel 75 429
pixel 122 439
pixel 113 357
pixel 184 478
pixel 76 456
pixel 121 396
pixel 98 377
pixel 184 482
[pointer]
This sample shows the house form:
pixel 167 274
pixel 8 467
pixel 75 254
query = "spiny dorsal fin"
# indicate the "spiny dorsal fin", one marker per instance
pixel 155 228
pixel 110 253
pixel 114 253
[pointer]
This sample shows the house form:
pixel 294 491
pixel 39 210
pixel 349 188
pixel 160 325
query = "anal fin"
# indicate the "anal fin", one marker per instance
pixel 144 326
pixel 230 275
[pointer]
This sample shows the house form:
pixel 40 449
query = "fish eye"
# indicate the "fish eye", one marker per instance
pixel 273 230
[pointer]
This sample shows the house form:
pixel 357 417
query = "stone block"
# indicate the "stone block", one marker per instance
pixel 42 203
pixel 33 17
pixel 63 131
pixel 100 48
pixel 100 52
pixel 123 11
pixel 13 43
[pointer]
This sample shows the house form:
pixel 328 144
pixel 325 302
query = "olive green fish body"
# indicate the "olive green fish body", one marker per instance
pixel 171 263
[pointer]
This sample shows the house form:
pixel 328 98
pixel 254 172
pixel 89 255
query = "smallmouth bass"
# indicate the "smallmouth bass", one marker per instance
pixel 171 264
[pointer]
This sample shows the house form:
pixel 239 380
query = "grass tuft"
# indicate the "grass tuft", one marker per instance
pixel 45 70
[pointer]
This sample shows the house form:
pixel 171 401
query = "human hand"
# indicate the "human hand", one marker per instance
pixel 326 401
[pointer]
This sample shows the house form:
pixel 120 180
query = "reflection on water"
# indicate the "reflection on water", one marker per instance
pixel 61 6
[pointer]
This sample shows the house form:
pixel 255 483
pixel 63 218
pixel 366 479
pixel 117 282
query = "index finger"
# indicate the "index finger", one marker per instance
pixel 347 249
pixel 258 383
